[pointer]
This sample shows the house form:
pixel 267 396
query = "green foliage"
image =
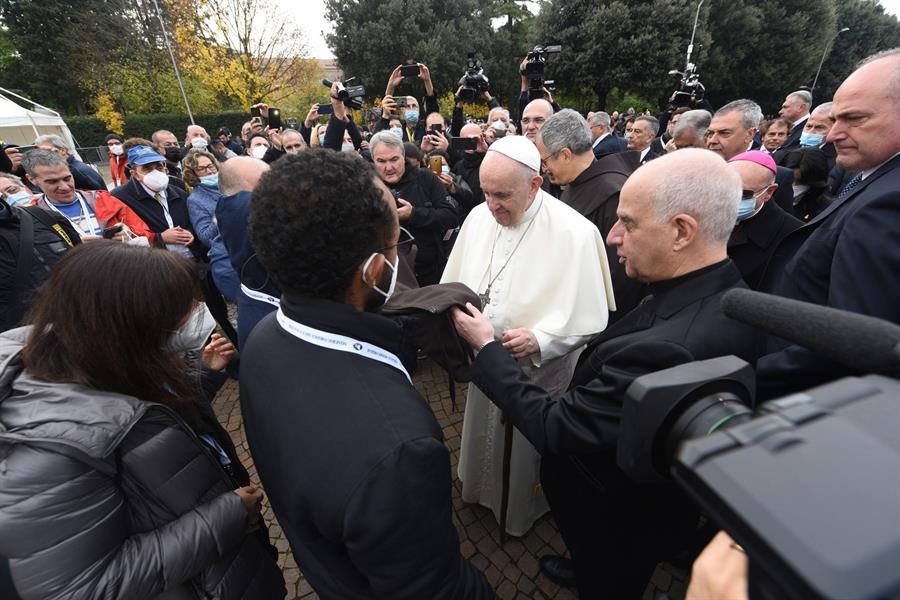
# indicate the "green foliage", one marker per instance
pixel 91 131
pixel 372 37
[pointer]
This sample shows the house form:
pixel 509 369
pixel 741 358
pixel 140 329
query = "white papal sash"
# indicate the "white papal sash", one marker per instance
pixel 343 343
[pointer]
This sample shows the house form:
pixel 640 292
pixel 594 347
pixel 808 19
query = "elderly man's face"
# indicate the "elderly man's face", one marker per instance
pixel 775 136
pixel 818 123
pixel 534 116
pixel 643 244
pixel 688 139
pixel 756 181
pixel 641 136
pixel 292 143
pixel 48 146
pixel 793 108
pixel 727 135
pixel 866 130
pixel 508 188
pixel 167 139
pixel 389 163
pixel 55 182
pixel 558 167
pixel 9 187
pixel 195 131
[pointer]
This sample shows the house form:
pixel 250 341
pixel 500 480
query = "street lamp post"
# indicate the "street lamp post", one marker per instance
pixel 824 54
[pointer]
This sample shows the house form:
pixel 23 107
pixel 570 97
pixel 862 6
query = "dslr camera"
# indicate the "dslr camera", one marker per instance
pixel 474 82
pixel 535 64
pixel 351 95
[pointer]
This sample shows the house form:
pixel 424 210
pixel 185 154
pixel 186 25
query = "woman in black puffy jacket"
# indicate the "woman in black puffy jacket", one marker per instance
pixel 116 480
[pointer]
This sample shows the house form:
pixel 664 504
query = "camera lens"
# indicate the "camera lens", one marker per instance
pixel 702 418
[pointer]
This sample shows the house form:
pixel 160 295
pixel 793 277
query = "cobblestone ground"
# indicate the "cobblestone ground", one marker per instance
pixel 512 570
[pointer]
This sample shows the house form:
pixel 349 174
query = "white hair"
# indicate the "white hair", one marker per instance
pixel 701 185
pixel 54 140
pixel 824 109
pixel 751 113
pixel 499 110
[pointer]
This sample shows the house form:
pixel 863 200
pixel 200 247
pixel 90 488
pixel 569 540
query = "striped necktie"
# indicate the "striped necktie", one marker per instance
pixel 849 187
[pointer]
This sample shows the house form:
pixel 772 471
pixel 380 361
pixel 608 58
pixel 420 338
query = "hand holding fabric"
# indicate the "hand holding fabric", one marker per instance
pixel 473 327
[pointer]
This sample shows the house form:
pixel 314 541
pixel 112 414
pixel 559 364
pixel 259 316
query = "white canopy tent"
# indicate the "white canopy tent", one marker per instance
pixel 19 125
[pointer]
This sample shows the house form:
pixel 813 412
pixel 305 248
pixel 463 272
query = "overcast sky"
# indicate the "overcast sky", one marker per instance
pixel 310 14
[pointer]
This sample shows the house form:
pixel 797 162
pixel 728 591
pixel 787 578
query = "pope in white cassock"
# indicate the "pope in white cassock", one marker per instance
pixel 541 271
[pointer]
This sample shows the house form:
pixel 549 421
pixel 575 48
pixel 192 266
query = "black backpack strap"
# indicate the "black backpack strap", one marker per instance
pixel 54 223
pixel 24 260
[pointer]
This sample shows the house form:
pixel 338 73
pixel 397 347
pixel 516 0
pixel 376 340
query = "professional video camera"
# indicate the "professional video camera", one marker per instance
pixel 535 63
pixel 690 91
pixel 351 96
pixel 474 82
pixel 808 484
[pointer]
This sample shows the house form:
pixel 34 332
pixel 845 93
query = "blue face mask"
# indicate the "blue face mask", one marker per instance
pixel 747 207
pixel 19 198
pixel 321 139
pixel 445 169
pixel 411 115
pixel 210 179
pixel 398 132
pixel 811 140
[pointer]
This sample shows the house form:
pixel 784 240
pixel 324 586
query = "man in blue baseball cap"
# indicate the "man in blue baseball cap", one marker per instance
pixel 161 205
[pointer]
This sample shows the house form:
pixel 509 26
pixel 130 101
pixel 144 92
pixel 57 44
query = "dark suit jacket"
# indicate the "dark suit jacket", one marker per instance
pixel 658 145
pixel 848 258
pixel 595 194
pixel 784 195
pixel 610 145
pixel 793 139
pixel 136 197
pixel 681 321
pixel 753 241
pixel 650 156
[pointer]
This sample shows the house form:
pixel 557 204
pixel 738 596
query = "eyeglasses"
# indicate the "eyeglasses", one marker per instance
pixel 403 245
pixel 210 168
pixel 748 194
pixel 544 161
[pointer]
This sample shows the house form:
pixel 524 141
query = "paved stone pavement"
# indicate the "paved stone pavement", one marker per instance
pixel 512 570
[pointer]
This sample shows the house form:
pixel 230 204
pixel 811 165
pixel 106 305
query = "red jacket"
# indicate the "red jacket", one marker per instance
pixel 117 168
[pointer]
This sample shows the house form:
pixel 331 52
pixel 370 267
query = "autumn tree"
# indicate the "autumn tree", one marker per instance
pixel 244 49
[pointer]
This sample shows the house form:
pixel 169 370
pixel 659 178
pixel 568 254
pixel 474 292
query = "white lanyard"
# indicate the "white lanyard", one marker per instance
pixel 260 296
pixel 164 202
pixel 91 219
pixel 334 341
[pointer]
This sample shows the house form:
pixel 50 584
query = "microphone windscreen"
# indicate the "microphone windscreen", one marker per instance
pixel 860 342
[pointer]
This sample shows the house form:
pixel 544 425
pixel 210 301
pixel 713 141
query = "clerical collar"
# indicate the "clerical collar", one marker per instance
pixel 530 213
pixel 661 287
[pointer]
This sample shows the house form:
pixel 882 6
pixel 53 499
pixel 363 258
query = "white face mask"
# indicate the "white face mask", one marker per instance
pixel 390 291
pixel 156 180
pixel 258 151
pixel 196 330
pixel 347 147
pixel 199 142
pixel 117 149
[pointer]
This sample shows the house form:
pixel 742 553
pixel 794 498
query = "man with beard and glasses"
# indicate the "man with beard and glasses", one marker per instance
pixel 350 454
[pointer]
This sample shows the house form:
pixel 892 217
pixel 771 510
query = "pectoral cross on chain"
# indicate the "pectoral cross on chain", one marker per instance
pixel 485 297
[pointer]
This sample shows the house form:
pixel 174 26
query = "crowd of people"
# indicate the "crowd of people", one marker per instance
pixel 592 249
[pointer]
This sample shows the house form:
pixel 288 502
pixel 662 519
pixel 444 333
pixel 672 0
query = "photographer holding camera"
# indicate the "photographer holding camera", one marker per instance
pixel 413 124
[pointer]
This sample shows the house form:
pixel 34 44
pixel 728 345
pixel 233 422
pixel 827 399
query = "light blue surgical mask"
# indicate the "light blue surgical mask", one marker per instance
pixel 19 198
pixel 627 135
pixel 210 179
pixel 811 140
pixel 445 169
pixel 398 131
pixel 321 139
pixel 747 207
pixel 411 115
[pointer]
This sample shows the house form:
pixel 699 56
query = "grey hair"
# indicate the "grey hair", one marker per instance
pixel 288 130
pixel 600 118
pixel 751 113
pixel 652 122
pixel 54 140
pixel 825 108
pixel 709 192
pixel 803 95
pixel 566 129
pixel 388 139
pixel 11 177
pixel 41 158
pixel 696 120
pixel 501 110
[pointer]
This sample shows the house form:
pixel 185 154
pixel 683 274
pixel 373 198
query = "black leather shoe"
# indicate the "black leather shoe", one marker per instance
pixel 558 569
